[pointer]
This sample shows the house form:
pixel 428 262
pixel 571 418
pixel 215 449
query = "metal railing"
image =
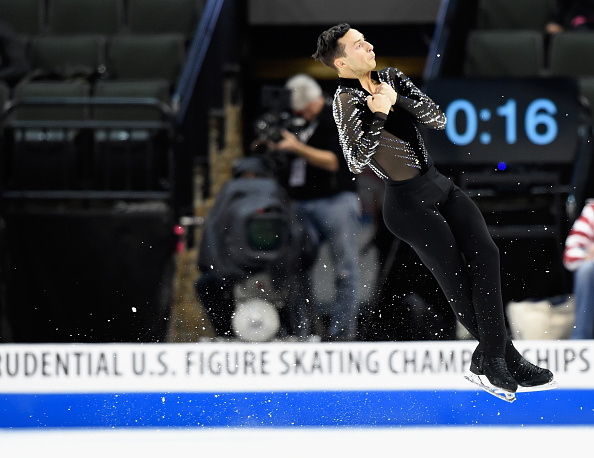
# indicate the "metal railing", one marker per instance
pixel 93 156
pixel 196 55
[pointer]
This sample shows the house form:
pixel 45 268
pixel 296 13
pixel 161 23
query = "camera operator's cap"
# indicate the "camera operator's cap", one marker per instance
pixel 304 89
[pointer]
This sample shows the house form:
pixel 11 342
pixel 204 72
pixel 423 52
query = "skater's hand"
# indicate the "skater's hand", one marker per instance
pixel 388 91
pixel 379 102
pixel 590 252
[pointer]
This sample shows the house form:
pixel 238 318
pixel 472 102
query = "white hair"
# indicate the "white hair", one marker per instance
pixel 304 89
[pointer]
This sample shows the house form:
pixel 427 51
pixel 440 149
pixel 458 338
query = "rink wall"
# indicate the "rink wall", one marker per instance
pixel 280 385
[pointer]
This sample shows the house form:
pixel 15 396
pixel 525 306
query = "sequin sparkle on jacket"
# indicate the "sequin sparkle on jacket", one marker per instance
pixel 391 145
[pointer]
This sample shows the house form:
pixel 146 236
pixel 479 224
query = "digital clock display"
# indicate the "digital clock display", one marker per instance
pixel 505 120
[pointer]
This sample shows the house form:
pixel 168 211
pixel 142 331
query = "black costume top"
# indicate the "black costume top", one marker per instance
pixel 306 181
pixel 391 145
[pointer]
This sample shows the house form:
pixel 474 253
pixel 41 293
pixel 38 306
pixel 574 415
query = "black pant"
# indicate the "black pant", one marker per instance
pixel 450 236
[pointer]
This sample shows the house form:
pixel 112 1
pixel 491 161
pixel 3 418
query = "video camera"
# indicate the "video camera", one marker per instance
pixel 276 100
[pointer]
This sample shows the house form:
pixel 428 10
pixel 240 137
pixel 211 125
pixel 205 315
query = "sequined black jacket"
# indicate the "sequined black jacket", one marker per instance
pixel 391 145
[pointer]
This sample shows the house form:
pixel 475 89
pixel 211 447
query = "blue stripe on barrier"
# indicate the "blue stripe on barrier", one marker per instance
pixel 295 409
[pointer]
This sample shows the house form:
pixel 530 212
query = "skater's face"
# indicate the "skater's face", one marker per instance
pixel 359 56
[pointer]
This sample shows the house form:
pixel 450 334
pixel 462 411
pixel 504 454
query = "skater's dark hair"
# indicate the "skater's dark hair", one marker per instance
pixel 328 46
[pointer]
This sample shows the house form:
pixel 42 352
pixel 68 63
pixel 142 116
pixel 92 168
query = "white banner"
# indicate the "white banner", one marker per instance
pixel 244 367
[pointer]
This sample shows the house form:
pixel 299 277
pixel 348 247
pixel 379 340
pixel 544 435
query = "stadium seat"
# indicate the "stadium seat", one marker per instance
pixel 51 89
pixel 65 55
pixel 571 54
pixel 141 57
pixel 162 16
pixel 131 155
pixel 514 14
pixel 504 54
pixel 149 89
pixel 71 17
pixel 46 158
pixel 26 17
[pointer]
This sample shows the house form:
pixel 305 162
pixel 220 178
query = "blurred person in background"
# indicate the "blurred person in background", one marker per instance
pixel 578 257
pixel 326 194
pixel 572 15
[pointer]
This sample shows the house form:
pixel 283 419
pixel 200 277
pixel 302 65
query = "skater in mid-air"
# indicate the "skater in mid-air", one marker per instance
pixel 377 113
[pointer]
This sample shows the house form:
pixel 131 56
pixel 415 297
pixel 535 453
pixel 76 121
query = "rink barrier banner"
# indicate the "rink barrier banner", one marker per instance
pixel 280 385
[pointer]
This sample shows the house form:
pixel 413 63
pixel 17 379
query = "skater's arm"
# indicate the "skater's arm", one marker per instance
pixel 359 129
pixel 417 103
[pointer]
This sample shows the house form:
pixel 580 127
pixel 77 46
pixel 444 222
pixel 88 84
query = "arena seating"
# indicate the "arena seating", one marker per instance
pixel 27 17
pixel 107 53
pixel 494 53
pixel 71 17
pixel 514 14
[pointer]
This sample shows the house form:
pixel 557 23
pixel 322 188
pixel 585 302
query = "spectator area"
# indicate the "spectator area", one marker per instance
pixel 105 40
pixel 101 61
pixel 509 40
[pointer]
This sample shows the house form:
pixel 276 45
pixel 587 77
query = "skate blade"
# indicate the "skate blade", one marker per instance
pixel 507 396
pixel 547 386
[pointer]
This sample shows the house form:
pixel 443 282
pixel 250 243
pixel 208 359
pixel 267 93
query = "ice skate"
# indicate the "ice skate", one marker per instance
pixel 494 368
pixel 482 382
pixel 491 374
pixel 529 376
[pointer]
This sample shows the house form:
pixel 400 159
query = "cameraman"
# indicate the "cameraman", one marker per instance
pixel 325 192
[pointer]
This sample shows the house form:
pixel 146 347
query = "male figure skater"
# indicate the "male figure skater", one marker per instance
pixel 377 115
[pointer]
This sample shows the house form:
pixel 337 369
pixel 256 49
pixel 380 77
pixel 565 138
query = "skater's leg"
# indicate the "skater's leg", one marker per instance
pixel 414 213
pixel 482 258
pixel 417 217
pixel 426 231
